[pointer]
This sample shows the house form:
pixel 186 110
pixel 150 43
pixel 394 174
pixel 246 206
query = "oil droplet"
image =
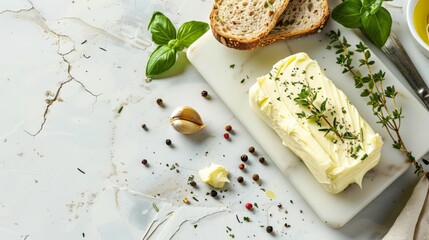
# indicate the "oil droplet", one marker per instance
pixel 270 194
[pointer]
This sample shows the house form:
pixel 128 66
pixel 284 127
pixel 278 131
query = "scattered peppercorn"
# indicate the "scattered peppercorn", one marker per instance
pixel 144 126
pixel 287 225
pixel 240 179
pixel 244 158
pixel 251 149
pixel 249 206
pixel 159 101
pixel 255 177
pixel 168 142
pixel 213 193
pixel 204 93
pixel 226 135
pixel 193 183
pixel 144 161
pixel 262 160
pixel 279 205
pixel 241 166
pixel 228 128
pixel 269 229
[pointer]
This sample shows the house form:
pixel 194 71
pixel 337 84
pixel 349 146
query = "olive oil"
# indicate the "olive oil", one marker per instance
pixel 421 19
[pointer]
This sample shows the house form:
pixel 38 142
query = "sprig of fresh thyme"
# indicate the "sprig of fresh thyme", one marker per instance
pixel 306 98
pixel 381 98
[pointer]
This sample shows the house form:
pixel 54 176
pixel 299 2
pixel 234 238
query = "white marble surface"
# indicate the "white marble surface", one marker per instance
pixel 60 95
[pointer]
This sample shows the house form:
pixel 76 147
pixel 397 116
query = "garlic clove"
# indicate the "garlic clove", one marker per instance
pixel 186 120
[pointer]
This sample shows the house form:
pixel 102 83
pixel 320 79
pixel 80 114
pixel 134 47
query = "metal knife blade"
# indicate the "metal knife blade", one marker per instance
pixel 396 53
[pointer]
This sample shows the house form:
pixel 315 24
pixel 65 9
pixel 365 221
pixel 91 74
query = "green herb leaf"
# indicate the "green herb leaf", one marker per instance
pixel 191 31
pixel 162 59
pixel 382 99
pixel 191 178
pixel 375 6
pixel 368 15
pixel 348 13
pixel 155 207
pixel 377 26
pixel 161 28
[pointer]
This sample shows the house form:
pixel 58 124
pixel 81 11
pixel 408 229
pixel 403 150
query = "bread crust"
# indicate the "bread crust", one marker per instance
pixel 236 42
pixel 272 38
pixel 266 37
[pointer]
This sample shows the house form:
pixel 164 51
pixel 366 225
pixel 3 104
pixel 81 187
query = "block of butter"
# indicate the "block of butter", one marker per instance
pixel 316 121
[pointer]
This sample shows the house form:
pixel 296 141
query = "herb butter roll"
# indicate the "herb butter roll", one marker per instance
pixel 316 121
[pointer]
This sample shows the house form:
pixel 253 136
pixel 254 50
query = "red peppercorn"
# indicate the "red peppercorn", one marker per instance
pixel 241 166
pixel 228 128
pixel 226 135
pixel 249 206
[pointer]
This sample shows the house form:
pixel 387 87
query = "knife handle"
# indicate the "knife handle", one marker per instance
pixel 397 54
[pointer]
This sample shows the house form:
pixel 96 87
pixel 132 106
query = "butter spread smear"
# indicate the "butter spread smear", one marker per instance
pixel 215 175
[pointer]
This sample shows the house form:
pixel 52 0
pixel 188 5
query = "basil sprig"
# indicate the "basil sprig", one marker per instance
pixel 368 15
pixel 170 42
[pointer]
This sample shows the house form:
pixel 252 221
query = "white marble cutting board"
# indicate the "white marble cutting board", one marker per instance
pixel 231 73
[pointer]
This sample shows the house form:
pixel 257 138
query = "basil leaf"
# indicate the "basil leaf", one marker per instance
pixel 191 31
pixel 162 59
pixel 375 6
pixel 348 13
pixel 162 29
pixel 367 3
pixel 377 26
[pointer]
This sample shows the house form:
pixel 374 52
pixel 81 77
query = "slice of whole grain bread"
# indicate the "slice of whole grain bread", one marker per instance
pixel 301 17
pixel 246 24
pixel 242 24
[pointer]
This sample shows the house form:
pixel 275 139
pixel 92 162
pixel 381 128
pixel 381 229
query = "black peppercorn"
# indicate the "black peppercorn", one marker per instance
pixel 144 162
pixel 269 229
pixel 159 101
pixel 193 183
pixel 244 158
pixel 255 177
pixel 144 126
pixel 204 93
pixel 168 142
pixel 262 160
pixel 213 193
pixel 240 179
pixel 251 149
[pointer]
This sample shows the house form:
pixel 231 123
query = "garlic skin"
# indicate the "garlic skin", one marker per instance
pixel 186 120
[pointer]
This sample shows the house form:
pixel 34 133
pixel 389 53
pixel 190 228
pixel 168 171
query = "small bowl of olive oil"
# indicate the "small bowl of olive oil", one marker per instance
pixel 417 15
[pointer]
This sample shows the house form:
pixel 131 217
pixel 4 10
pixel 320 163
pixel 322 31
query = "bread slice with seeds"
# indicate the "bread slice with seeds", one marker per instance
pixel 301 17
pixel 242 24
